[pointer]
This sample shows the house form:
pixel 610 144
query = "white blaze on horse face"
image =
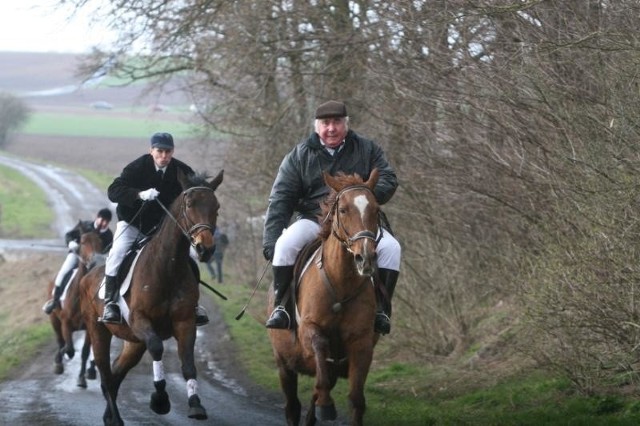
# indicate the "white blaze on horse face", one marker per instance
pixel 361 203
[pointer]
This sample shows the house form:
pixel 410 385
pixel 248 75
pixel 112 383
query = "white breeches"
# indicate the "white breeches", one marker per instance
pixel 303 231
pixel 70 262
pixel 123 238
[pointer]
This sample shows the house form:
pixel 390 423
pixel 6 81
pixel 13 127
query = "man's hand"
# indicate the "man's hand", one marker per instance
pixel 267 252
pixel 73 245
pixel 149 194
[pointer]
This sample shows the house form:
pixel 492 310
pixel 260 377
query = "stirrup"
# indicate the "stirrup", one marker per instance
pixel 115 316
pixel 382 323
pixel 278 318
pixel 201 316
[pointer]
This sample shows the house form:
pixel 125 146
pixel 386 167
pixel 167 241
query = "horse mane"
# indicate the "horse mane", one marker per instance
pixel 197 179
pixel 326 217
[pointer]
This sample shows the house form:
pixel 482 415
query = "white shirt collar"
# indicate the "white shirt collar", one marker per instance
pixel 332 150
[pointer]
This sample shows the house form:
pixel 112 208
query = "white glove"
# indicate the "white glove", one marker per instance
pixel 149 194
pixel 73 245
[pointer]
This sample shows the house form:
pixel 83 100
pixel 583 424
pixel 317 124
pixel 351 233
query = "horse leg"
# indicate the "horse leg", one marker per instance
pixel 185 333
pixel 91 371
pixel 159 401
pixel 360 357
pixel 57 362
pixel 67 335
pixel 289 386
pixel 325 408
pixel 101 343
pixel 86 349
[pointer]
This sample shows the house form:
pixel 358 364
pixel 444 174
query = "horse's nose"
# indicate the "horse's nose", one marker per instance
pixel 205 253
pixel 364 264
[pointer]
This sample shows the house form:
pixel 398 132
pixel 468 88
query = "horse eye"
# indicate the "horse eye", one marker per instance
pixel 342 210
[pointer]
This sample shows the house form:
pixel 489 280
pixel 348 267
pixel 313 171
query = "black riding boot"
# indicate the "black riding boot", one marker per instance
pixel 282 276
pixel 111 312
pixel 55 302
pixel 389 278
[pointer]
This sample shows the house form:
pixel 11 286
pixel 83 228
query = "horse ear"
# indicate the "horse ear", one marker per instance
pixel 373 179
pixel 183 179
pixel 331 181
pixel 216 181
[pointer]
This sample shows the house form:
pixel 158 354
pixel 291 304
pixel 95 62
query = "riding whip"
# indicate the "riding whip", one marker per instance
pixel 254 291
pixel 222 296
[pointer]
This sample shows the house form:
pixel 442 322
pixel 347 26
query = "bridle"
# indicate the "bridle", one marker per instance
pixel 195 228
pixel 337 226
pixel 346 242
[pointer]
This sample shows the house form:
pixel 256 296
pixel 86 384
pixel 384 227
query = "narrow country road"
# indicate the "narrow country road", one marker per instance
pixel 36 396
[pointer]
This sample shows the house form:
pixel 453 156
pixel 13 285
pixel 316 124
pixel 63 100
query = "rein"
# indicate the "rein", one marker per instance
pixel 337 306
pixel 196 227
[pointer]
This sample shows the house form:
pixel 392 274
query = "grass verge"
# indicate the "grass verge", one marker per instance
pixel 24 212
pixel 435 394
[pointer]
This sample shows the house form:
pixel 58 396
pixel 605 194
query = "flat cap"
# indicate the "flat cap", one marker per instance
pixel 331 109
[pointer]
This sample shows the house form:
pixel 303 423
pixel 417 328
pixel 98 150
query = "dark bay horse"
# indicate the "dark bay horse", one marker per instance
pixel 67 319
pixel 162 299
pixel 335 306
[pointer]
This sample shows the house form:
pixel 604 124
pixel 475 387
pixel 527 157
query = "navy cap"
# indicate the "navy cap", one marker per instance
pixel 162 141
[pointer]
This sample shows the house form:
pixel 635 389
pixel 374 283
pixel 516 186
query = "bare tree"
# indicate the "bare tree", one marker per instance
pixel 513 126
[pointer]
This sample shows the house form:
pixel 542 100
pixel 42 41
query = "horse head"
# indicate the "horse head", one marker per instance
pixel 199 212
pixel 90 250
pixel 352 216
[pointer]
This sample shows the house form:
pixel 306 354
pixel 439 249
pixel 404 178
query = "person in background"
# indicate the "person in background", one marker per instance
pixel 149 177
pixel 222 241
pixel 299 187
pixel 72 238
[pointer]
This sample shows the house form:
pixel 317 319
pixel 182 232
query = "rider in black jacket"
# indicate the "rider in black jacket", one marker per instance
pixel 100 225
pixel 299 188
pixel 149 177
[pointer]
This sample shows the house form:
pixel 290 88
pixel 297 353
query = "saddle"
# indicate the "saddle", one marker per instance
pixel 127 262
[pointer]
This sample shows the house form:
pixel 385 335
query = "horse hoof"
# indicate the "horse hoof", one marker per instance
pixel 160 403
pixel 91 374
pixel 58 368
pixel 196 410
pixel 81 383
pixel 326 412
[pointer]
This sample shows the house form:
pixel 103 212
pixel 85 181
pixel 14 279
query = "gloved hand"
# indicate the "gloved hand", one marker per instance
pixel 149 194
pixel 73 245
pixel 267 252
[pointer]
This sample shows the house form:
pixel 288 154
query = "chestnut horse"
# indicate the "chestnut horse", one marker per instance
pixel 162 298
pixel 68 319
pixel 335 306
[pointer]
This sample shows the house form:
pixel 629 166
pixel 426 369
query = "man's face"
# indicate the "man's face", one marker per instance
pixel 332 131
pixel 101 223
pixel 162 157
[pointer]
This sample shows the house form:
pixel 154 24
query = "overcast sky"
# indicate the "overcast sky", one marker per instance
pixel 36 26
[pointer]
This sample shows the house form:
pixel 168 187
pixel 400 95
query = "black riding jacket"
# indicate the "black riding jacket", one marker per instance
pixel 140 175
pixel 75 233
pixel 300 187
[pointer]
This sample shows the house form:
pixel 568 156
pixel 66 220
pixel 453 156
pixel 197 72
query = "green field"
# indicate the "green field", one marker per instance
pixel 59 124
